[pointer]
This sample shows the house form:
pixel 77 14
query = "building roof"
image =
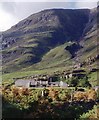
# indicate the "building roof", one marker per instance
pixel 24 82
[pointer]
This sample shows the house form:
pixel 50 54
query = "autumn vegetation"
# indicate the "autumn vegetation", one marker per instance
pixel 30 103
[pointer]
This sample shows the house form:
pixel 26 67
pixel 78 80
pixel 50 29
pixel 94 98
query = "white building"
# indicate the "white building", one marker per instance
pixel 63 84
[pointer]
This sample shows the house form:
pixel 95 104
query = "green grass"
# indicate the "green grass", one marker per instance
pixel 91 114
pixel 93 78
pixel 56 57
pixel 25 72
pixel 89 48
pixel 9 76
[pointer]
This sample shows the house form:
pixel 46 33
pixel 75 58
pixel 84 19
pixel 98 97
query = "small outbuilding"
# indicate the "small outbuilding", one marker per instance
pixel 63 84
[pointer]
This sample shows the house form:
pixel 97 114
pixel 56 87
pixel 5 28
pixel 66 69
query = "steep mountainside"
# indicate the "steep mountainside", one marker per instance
pixel 49 39
pixel 89 40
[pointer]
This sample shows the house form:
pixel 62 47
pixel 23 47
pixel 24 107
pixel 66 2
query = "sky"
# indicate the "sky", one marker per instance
pixel 13 11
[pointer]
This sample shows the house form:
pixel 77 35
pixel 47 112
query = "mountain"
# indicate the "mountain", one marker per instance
pixel 50 39
pixel 89 39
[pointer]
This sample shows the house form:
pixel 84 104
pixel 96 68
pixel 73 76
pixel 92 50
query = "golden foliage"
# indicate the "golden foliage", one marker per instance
pixel 91 94
pixel 53 94
pixel 80 96
pixel 85 96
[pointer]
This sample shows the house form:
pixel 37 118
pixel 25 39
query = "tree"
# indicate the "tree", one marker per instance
pixel 80 96
pixel 84 82
pixel 73 81
pixel 53 94
pixel 92 95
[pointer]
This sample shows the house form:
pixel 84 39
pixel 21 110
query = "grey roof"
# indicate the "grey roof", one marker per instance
pixel 24 82
pixel 21 82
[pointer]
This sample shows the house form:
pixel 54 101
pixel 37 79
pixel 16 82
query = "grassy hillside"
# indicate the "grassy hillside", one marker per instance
pixel 38 46
pixel 33 40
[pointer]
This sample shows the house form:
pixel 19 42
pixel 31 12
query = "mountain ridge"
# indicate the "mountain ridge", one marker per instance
pixel 26 43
